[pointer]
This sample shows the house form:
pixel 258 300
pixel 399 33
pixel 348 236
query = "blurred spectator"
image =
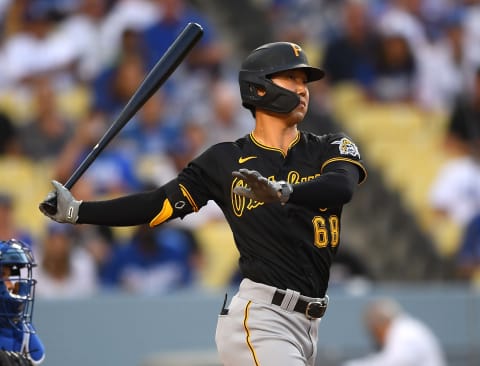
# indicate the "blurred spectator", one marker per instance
pixel 399 338
pixel 433 14
pixel 3 8
pixel 131 43
pixel 113 172
pixel 395 70
pixel 148 139
pixel 225 119
pixel 350 56
pixel 125 16
pixel 84 24
pixel 175 14
pixel 115 86
pixel 64 269
pixel 87 133
pixel 45 136
pixel 297 21
pixel 153 130
pixel 99 28
pixel 468 257
pixel 192 140
pixel 465 118
pixel 404 18
pixel 204 62
pixel 455 192
pixel 36 50
pixel 12 15
pixel 443 68
pixel 349 270
pixel 9 143
pixel 471 25
pixel 99 242
pixel 155 261
pixel 9 228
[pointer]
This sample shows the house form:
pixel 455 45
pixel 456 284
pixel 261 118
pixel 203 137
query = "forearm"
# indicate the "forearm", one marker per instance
pixel 130 210
pixel 152 207
pixel 331 189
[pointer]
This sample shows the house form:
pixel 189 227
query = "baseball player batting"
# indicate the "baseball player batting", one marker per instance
pixel 281 190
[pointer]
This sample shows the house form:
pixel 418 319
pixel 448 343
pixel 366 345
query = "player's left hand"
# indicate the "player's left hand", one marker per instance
pixel 260 188
pixel 67 205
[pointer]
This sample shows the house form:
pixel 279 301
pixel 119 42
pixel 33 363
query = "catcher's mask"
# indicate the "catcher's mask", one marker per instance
pixel 261 64
pixel 17 286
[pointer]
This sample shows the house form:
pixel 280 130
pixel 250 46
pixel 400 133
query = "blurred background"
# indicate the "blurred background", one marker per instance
pixel 403 80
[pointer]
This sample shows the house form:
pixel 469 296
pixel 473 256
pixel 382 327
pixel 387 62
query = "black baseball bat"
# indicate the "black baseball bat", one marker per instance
pixel 162 70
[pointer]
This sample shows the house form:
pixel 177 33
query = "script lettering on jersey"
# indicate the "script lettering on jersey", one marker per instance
pixel 240 203
pixel 294 177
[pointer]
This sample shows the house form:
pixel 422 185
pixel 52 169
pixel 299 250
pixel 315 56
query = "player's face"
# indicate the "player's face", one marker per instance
pixel 296 81
pixel 5 273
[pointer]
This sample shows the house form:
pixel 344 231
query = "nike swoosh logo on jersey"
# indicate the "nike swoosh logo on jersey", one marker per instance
pixel 245 159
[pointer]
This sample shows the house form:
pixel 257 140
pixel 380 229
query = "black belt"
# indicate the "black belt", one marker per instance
pixel 311 309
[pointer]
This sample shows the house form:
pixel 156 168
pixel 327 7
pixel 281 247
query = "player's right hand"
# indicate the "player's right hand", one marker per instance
pixel 260 188
pixel 66 205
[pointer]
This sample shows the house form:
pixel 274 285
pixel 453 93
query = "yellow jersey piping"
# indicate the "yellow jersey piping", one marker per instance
pixel 259 144
pixel 189 197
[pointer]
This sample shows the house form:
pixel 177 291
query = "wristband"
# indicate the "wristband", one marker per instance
pixel 285 191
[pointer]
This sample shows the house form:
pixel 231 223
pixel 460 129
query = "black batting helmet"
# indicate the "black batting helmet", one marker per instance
pixel 258 68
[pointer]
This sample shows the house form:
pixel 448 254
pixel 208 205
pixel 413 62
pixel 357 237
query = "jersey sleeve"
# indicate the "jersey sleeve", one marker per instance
pixel 199 181
pixel 340 147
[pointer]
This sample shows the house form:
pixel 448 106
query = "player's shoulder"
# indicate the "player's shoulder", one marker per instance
pixel 334 143
pixel 345 144
pixel 227 146
pixel 326 138
pixel 335 147
pixel 223 151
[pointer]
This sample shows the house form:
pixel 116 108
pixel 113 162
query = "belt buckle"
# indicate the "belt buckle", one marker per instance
pixel 316 309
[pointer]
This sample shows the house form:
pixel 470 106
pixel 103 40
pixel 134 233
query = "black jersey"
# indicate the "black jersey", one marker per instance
pixel 286 246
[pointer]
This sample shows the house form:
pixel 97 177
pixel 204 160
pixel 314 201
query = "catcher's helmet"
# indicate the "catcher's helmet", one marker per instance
pixel 258 68
pixel 17 286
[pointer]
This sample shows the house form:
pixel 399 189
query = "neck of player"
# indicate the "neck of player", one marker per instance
pixel 275 130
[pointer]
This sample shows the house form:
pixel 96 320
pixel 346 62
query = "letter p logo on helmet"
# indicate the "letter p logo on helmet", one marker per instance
pixel 296 49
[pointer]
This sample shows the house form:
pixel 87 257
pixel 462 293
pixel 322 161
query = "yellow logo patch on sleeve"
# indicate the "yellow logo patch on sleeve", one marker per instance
pixel 347 147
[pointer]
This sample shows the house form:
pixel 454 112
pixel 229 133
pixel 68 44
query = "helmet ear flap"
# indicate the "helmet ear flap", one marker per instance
pixel 249 86
pixel 271 98
pixel 254 89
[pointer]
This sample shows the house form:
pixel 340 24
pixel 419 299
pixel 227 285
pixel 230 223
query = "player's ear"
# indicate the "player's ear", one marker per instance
pixel 261 91
pixel 16 288
pixel 256 89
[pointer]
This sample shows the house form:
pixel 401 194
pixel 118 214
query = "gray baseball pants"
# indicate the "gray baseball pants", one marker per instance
pixel 255 332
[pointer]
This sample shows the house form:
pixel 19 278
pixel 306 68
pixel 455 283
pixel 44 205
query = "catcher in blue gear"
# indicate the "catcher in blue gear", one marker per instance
pixel 19 342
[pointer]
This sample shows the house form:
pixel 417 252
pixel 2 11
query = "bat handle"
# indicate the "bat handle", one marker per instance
pixel 49 205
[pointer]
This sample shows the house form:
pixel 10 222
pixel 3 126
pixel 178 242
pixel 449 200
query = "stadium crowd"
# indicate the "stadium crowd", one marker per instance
pixel 69 66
